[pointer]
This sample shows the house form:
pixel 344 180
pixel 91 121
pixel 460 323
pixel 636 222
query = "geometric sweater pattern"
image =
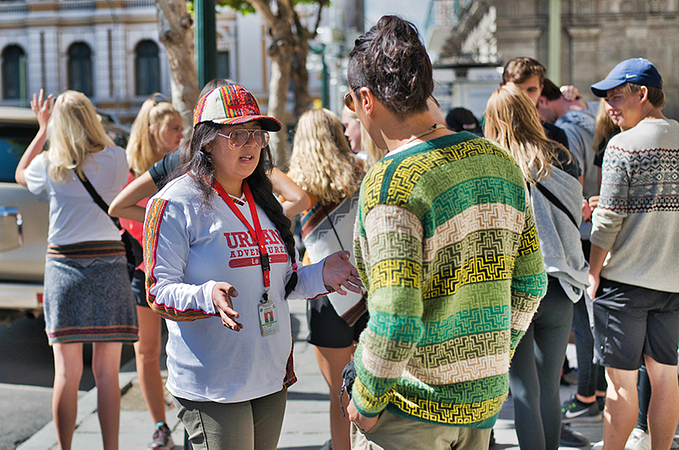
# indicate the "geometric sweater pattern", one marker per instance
pixel 637 218
pixel 447 248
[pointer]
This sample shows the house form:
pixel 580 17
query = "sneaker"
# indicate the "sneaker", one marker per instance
pixel 570 438
pixel 574 410
pixel 162 438
pixel 638 440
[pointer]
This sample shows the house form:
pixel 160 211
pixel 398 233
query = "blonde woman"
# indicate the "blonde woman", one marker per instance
pixel 556 197
pixel 323 165
pixel 87 288
pixel 156 131
pixel 360 141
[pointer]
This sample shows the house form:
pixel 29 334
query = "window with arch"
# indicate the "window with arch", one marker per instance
pixel 80 76
pixel 147 68
pixel 13 73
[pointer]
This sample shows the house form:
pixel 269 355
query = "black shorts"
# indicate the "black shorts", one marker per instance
pixel 139 288
pixel 327 328
pixel 631 321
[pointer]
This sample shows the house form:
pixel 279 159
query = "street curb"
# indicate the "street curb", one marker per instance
pixel 46 437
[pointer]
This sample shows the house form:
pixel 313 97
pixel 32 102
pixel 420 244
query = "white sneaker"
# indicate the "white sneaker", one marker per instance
pixel 638 440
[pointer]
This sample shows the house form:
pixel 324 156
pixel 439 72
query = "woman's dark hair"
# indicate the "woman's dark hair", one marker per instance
pixel 260 185
pixel 186 154
pixel 392 62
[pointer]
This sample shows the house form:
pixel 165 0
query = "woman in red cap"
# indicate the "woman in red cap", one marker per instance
pixel 218 247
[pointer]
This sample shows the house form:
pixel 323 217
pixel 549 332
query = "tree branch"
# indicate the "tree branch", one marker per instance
pixel 321 4
pixel 262 7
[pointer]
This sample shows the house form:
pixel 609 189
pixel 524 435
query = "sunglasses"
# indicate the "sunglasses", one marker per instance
pixel 238 138
pixel 349 100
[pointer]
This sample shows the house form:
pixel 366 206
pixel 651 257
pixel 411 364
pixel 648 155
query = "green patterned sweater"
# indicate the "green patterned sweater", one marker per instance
pixel 447 247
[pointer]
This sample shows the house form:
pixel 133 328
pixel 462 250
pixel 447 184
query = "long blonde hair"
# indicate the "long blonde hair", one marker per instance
pixel 367 144
pixel 142 148
pixel 73 131
pixel 605 127
pixel 322 162
pixel 512 121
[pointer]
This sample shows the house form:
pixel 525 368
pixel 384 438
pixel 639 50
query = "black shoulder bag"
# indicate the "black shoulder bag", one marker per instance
pixel 556 202
pixel 133 249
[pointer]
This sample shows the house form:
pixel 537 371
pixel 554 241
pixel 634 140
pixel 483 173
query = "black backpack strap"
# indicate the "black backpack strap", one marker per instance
pixel 96 197
pixel 552 198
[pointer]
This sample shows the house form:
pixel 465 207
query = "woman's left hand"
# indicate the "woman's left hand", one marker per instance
pixel 340 274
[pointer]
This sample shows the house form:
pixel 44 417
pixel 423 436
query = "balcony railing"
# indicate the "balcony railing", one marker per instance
pixel 76 5
pixel 443 13
pixel 134 4
pixel 13 7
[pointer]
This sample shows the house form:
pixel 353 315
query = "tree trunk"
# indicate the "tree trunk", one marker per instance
pixel 281 55
pixel 300 78
pixel 176 33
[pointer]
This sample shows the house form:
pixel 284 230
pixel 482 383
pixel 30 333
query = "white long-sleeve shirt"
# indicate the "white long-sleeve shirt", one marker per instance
pixel 189 247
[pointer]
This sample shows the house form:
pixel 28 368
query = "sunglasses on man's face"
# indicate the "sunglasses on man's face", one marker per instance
pixel 349 99
pixel 238 138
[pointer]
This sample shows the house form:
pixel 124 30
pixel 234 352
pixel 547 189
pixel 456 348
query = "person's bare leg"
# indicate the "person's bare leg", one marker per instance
pixel 663 411
pixel 331 361
pixel 622 405
pixel 68 369
pixel 147 356
pixel 105 366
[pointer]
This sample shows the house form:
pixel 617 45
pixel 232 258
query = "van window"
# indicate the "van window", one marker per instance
pixel 14 139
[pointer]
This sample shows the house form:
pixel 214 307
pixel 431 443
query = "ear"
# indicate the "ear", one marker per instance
pixel 153 129
pixel 542 102
pixel 367 100
pixel 643 94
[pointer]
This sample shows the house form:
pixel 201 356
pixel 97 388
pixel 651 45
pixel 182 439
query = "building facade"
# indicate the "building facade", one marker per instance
pixel 594 36
pixel 109 49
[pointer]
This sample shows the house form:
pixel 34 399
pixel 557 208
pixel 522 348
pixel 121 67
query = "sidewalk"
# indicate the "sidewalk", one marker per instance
pixel 306 424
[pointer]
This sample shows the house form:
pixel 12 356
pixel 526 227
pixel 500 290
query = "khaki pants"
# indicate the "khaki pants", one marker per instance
pixel 251 425
pixel 394 432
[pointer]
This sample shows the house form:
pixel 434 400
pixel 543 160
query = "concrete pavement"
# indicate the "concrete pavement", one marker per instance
pixel 306 424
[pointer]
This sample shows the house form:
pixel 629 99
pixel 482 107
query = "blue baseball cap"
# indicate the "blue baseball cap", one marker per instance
pixel 636 70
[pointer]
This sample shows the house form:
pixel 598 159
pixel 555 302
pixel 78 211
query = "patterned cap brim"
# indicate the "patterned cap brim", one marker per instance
pixel 268 123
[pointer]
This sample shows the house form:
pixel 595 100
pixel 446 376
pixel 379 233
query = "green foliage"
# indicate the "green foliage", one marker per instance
pixel 245 7
pixel 241 6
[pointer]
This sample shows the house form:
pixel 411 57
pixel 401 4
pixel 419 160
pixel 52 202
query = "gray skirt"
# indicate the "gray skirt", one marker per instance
pixel 88 297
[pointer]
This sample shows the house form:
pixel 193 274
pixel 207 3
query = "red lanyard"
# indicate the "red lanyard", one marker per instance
pixel 257 234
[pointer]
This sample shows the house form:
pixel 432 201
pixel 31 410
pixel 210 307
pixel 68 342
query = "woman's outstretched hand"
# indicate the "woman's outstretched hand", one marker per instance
pixel 340 274
pixel 42 107
pixel 222 297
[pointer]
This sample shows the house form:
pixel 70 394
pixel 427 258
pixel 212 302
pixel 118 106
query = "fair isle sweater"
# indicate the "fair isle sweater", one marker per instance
pixel 447 247
pixel 637 219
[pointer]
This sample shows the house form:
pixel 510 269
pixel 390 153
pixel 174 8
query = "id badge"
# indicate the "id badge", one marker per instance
pixel 268 318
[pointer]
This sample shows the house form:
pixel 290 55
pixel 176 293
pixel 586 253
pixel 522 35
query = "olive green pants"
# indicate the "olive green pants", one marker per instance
pixel 252 425
pixel 393 432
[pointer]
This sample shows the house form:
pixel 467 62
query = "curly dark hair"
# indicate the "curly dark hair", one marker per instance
pixel 392 62
pixel 259 183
